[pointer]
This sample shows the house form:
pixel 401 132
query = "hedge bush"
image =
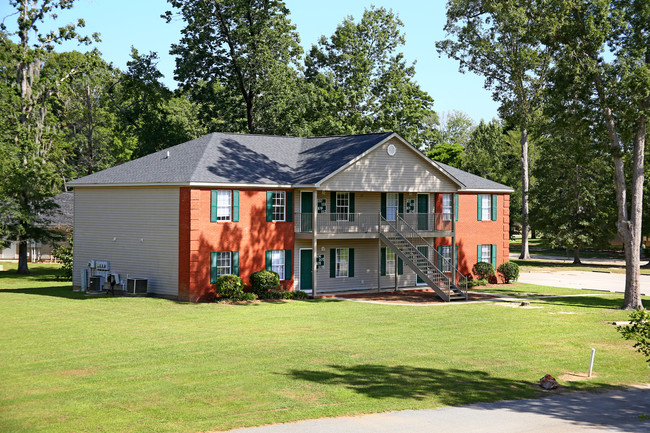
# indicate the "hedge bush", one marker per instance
pixel 474 283
pixel 509 270
pixel 263 281
pixel 230 287
pixel 483 270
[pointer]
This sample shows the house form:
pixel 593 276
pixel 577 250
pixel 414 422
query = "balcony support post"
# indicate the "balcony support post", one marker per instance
pixel 314 243
pixel 453 239
pixel 378 253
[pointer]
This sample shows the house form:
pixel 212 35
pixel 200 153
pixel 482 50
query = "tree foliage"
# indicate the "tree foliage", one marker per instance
pixel 362 82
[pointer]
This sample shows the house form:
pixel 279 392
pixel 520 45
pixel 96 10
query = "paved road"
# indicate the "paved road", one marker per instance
pixel 617 411
pixel 583 280
pixel 587 262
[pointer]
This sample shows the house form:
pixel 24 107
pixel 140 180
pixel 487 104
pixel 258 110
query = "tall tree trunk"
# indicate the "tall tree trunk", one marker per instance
pixel 22 258
pixel 576 256
pixel 525 254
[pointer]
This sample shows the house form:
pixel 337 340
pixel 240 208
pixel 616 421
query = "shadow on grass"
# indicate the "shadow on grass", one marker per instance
pixel 450 387
pixel 56 291
pixel 609 303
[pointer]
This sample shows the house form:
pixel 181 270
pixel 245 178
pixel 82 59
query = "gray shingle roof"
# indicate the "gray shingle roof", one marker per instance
pixel 221 158
pixel 240 158
pixel 472 181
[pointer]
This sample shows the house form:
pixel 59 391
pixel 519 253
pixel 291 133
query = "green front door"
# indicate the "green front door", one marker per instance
pixel 424 250
pixel 306 210
pixel 305 270
pixel 423 211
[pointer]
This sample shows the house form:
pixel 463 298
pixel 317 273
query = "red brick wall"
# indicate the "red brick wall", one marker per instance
pixel 252 236
pixel 470 232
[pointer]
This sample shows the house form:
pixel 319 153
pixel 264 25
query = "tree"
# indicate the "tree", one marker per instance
pixel 448 153
pixel 35 150
pixel 246 52
pixel 455 127
pixel 363 84
pixel 618 87
pixel 497 39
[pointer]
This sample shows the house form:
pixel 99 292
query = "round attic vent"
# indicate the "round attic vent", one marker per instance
pixel 391 149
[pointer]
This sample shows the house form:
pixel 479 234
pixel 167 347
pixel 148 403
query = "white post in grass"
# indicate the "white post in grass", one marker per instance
pixel 591 362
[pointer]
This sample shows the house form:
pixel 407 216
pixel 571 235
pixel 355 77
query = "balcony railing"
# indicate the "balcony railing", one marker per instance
pixel 328 223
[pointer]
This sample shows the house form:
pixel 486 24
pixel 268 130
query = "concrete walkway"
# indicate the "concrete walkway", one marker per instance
pixel 617 411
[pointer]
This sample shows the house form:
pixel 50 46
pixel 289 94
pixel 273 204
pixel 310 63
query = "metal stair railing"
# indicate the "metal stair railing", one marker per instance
pixel 414 258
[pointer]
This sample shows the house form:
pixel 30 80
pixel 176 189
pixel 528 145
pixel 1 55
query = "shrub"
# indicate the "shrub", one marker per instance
pixel 509 270
pixel 63 253
pixel 247 296
pixel 483 270
pixel 638 330
pixel 229 286
pixel 474 283
pixel 299 294
pixel 263 281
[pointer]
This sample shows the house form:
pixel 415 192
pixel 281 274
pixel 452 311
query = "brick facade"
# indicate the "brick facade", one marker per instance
pixel 252 236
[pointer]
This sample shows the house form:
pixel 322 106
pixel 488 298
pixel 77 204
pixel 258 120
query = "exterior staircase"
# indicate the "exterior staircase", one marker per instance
pixel 401 237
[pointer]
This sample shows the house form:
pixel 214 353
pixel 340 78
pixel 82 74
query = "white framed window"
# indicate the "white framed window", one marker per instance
pixel 390 262
pixel 342 262
pixel 224 205
pixel 279 201
pixel 486 253
pixel 277 262
pixel 392 206
pixel 445 253
pixel 446 207
pixel 224 263
pixel 342 206
pixel 486 207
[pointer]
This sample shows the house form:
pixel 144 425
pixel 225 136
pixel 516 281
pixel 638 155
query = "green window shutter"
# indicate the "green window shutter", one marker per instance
pixel 479 255
pixel 332 262
pixel 333 206
pixel 383 204
pixel 480 199
pixel 351 195
pixel 213 268
pixel 269 260
pixel 401 204
pixel 235 262
pixel 235 206
pixel 456 257
pixel 494 207
pixel 269 206
pixel 494 256
pixel 288 269
pixel 383 262
pixel 213 206
pixel 289 206
pixel 456 206
pixel 400 266
pixel 440 257
pixel 351 262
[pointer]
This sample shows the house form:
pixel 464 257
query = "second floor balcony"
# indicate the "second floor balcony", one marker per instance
pixel 366 225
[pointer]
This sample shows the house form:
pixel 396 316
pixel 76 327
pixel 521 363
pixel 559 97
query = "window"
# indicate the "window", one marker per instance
pixel 342 261
pixel 486 253
pixel 446 207
pixel 392 205
pixel 223 205
pixel 277 262
pixel 390 262
pixel 223 263
pixel 445 253
pixel 486 207
pixel 342 206
pixel 279 202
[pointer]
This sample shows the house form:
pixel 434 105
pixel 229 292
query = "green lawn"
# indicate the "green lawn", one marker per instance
pixel 71 363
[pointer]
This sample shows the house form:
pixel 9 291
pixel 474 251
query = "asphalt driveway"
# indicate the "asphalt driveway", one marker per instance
pixel 616 411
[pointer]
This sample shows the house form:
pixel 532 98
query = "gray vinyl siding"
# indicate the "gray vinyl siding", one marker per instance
pixel 365 266
pixel 378 171
pixel 144 223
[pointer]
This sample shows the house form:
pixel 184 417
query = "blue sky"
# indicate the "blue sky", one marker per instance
pixel 124 23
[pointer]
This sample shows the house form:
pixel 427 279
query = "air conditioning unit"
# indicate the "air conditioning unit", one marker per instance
pixel 96 283
pixel 137 285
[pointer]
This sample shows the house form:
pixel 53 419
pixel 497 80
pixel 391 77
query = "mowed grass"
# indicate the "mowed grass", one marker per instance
pixel 72 363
